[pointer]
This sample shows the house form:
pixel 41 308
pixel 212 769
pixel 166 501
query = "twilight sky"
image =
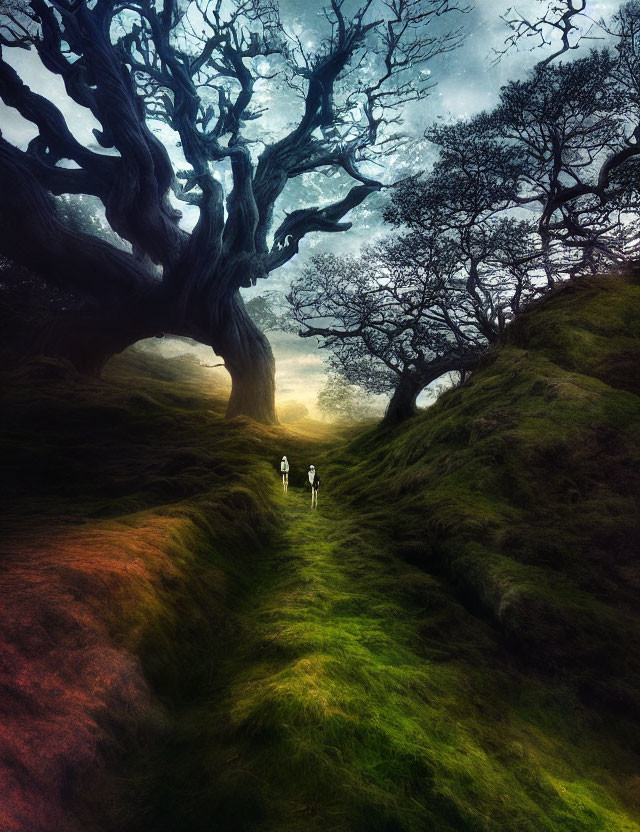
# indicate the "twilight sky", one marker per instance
pixel 467 80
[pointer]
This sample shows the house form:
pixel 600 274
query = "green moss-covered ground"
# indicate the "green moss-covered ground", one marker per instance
pixel 522 487
pixel 449 643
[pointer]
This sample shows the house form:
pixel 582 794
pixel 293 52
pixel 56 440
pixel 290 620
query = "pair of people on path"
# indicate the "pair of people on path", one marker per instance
pixel 312 474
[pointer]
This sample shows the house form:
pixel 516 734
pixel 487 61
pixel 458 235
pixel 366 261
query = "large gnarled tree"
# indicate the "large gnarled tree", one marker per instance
pixel 199 68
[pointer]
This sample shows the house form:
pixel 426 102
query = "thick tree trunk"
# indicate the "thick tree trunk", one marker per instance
pixel 90 334
pixel 89 339
pixel 248 358
pixel 403 402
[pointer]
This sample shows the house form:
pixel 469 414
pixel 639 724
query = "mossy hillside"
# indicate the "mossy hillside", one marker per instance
pixel 149 432
pixel 522 487
pixel 589 326
pixel 133 516
pixel 108 461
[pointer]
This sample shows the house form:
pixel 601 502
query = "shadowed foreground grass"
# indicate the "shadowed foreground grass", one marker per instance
pixel 440 646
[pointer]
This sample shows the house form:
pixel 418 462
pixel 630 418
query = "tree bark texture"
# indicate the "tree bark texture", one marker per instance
pixel 403 401
pixel 412 382
pixel 248 358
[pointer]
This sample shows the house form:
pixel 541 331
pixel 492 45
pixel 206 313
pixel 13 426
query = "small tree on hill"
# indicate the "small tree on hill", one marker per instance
pixel 431 301
pixel 542 187
pixel 394 320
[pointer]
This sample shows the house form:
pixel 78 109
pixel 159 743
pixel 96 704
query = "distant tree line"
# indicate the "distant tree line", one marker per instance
pixel 542 188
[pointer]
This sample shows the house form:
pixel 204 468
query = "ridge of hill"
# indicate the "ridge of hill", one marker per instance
pixel 523 487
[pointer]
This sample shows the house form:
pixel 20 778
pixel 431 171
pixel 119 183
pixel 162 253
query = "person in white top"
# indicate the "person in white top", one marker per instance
pixel 284 470
pixel 314 482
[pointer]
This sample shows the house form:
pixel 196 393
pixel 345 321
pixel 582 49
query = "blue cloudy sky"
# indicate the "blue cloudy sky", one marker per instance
pixel 467 81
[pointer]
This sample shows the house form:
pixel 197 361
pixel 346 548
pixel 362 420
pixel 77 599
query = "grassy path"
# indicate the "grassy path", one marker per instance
pixel 349 693
pixel 323 713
